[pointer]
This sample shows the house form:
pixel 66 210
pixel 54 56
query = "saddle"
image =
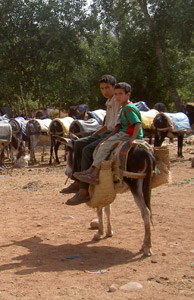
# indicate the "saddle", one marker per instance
pixel 5 132
pixel 39 126
pixel 84 128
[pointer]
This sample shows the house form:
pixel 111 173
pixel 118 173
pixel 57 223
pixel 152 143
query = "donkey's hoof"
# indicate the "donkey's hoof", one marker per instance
pixel 97 237
pixel 147 251
pixel 109 234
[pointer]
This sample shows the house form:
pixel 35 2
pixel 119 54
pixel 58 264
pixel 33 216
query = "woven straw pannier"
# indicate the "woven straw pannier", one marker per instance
pixel 162 174
pixel 104 193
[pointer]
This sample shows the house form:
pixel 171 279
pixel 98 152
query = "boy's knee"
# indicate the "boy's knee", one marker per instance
pixel 77 145
pixel 85 151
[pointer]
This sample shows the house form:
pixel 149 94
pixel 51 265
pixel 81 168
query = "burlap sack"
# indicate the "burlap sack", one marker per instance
pixel 162 173
pixel 103 193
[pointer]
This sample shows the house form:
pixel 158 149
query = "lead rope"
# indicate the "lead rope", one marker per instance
pixel 66 180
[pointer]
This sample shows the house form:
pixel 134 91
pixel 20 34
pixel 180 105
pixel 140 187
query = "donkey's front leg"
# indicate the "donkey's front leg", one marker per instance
pixel 100 232
pixel 109 232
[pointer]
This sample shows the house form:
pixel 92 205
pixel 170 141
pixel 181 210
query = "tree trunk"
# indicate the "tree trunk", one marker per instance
pixel 161 59
pixel 22 99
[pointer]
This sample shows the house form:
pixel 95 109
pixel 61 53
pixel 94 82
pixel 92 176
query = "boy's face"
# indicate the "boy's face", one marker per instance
pixel 107 90
pixel 121 96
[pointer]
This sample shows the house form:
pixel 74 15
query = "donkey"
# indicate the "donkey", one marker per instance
pixel 78 111
pixel 142 161
pixel 59 128
pixel 37 131
pixel 164 128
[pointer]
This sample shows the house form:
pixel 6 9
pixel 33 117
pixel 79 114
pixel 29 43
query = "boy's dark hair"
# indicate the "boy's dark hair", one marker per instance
pixel 108 79
pixel 124 86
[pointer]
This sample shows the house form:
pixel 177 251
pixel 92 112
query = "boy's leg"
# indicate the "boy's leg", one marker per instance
pixel 105 148
pixel 89 142
pixel 101 154
pixel 86 162
pixel 87 156
pixel 79 145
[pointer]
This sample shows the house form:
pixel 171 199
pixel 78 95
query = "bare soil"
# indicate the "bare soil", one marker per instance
pixel 38 231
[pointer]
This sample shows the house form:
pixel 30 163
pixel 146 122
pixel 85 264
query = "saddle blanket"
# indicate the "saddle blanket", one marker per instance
pixel 86 127
pixel 18 125
pixel 148 118
pixel 142 106
pixel 5 132
pixel 98 114
pixel 178 121
pixel 40 125
pixel 65 124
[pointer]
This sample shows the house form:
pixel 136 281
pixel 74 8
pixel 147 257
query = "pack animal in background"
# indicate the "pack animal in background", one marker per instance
pixel 7 138
pixel 19 132
pixel 78 111
pixel 171 125
pixel 37 131
pixel 58 128
pixel 82 128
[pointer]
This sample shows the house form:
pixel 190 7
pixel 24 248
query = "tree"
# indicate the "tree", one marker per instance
pixel 152 26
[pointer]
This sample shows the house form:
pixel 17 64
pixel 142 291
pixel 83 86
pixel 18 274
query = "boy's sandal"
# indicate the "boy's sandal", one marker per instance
pixel 77 174
pixel 70 189
pixel 89 179
pixel 78 199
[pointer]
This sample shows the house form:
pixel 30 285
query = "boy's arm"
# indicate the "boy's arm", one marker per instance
pixel 117 128
pixel 136 130
pixel 102 129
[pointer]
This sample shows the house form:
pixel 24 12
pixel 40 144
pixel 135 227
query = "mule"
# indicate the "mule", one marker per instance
pixel 141 162
pixel 15 144
pixel 58 129
pixel 37 131
pixel 78 111
pixel 164 128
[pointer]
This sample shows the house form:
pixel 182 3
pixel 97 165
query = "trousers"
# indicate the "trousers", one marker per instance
pixel 105 148
pixel 83 153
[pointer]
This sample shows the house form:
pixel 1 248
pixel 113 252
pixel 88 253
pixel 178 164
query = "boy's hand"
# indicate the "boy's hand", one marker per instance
pixel 101 143
pixel 132 143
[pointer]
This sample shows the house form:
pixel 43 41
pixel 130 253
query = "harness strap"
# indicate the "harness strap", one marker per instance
pixel 133 175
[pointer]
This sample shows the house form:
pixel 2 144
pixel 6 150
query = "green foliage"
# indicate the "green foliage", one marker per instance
pixel 52 53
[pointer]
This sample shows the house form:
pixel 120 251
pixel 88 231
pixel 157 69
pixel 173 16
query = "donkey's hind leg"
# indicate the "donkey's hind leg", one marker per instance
pixel 100 232
pixel 109 232
pixel 137 191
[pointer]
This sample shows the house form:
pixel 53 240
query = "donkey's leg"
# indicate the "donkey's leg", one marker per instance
pixel 137 191
pixel 109 232
pixel 43 153
pixel 100 232
pixel 56 148
pixel 180 145
pixel 33 143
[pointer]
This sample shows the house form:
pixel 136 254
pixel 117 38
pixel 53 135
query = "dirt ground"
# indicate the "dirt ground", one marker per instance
pixel 38 233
